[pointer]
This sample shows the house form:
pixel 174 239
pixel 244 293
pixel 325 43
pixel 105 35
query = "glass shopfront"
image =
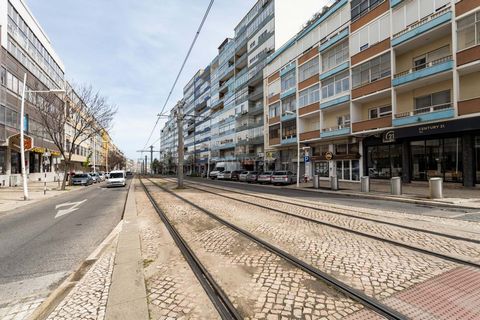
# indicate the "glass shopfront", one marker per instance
pixel 3 162
pixel 384 161
pixel 437 158
pixel 477 158
pixel 16 163
pixel 348 170
pixel 321 169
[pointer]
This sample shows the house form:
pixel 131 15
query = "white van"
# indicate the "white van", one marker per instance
pixel 117 178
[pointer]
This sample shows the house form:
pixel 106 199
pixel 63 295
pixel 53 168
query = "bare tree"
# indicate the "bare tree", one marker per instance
pixel 80 116
pixel 115 159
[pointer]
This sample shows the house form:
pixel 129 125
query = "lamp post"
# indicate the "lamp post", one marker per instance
pixel 22 130
pixel 298 145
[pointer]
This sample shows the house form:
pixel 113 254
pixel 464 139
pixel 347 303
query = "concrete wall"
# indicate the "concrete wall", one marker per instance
pixel 469 86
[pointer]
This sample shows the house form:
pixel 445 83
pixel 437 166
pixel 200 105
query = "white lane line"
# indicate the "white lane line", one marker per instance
pixel 74 206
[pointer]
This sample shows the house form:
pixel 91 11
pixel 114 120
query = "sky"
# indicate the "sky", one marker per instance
pixel 131 51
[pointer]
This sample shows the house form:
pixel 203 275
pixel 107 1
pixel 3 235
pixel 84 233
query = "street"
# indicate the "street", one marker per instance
pixel 40 245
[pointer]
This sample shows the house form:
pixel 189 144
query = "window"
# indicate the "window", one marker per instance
pixel 289 129
pixel 384 161
pixel 288 80
pixel 308 69
pixel 335 85
pixel 433 102
pixel 372 70
pixel 370 34
pixel 3 76
pixel 343 121
pixel 361 7
pixel 274 110
pixel 289 104
pixel 274 132
pixel 431 58
pixel 335 56
pixel 11 118
pixel 2 114
pixel 379 112
pixel 468 32
pixel 309 96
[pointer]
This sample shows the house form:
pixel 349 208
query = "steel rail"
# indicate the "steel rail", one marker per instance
pixel 352 293
pixel 218 297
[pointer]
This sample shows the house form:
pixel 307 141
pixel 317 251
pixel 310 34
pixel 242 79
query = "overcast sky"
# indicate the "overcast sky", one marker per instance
pixel 132 50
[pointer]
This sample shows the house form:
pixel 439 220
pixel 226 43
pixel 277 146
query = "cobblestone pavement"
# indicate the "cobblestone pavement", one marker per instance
pixel 461 249
pixel 88 299
pixel 20 309
pixel 172 288
pixel 378 269
pixel 260 284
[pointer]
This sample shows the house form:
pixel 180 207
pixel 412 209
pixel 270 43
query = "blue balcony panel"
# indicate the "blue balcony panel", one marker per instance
pixel 394 3
pixel 438 68
pixel 335 102
pixel 225 146
pixel 289 140
pixel 334 133
pixel 426 117
pixel 335 70
pixel 286 117
pixel 334 40
pixel 446 17
pixel 290 67
pixel 288 93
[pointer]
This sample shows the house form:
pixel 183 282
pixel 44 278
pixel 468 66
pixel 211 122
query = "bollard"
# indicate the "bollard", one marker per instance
pixel 365 184
pixel 316 181
pixel 334 183
pixel 396 186
pixel 436 188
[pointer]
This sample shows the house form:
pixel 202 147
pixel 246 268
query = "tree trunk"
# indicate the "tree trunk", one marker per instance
pixel 65 172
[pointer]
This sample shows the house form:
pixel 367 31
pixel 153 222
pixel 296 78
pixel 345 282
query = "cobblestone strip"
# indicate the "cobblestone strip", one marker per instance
pixel 439 224
pixel 88 299
pixel 20 309
pixel 260 284
pixel 461 249
pixel 172 288
pixel 374 267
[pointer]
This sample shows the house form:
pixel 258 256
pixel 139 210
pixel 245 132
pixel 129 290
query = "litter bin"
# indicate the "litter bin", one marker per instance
pixel 396 186
pixel 436 188
pixel 316 181
pixel 365 184
pixel 334 183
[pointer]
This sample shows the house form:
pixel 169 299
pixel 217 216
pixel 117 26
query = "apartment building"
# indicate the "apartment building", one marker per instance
pixel 379 88
pixel 233 121
pixel 26 50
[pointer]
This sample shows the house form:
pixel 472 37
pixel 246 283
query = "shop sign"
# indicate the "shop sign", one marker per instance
pixel 15 141
pixel 328 155
pixel 452 126
pixel 388 137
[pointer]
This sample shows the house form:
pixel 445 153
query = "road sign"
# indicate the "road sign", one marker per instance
pixel 306 159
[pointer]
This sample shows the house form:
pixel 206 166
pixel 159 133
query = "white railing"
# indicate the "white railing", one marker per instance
pixel 340 127
pixel 422 21
pixel 424 66
pixel 425 110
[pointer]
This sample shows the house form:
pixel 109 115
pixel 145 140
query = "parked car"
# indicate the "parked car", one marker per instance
pixel 95 176
pixel 283 177
pixel 236 175
pixel 265 177
pixel 129 174
pixel 243 176
pixel 117 178
pixel 214 174
pixel 225 175
pixel 101 175
pixel 82 179
pixel 252 176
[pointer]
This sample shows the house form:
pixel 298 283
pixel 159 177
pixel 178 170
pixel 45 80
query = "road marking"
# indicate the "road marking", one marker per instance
pixel 74 206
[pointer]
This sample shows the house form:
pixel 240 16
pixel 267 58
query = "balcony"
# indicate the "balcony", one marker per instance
pixel 310 135
pixel 273 120
pixel 289 140
pixel 274 141
pixel 335 131
pixel 257 109
pixel 432 113
pixel 422 71
pixel 333 40
pixel 288 92
pixel 335 102
pixel 422 26
pixel 288 116
pixel 372 124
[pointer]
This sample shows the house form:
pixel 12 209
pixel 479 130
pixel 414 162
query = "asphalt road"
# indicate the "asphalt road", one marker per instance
pixel 39 247
pixel 401 207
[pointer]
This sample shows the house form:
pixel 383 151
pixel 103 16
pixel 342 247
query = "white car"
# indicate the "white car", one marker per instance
pixel 117 179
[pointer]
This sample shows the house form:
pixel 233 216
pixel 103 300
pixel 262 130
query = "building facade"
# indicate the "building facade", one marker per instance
pixel 379 88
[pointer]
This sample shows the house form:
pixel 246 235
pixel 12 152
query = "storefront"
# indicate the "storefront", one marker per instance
pixel 449 150
pixel 340 159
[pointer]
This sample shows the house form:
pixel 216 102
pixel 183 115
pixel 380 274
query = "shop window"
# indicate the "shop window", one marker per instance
pixel 477 156
pixel 348 170
pixel 384 161
pixel 321 169
pixel 15 163
pixel 3 159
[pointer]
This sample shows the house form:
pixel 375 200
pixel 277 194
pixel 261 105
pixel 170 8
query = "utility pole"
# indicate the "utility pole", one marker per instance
pixel 151 159
pixel 180 105
pixel 146 165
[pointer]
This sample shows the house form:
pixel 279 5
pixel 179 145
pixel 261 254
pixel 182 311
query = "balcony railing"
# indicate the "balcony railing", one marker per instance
pixel 425 110
pixel 421 22
pixel 424 66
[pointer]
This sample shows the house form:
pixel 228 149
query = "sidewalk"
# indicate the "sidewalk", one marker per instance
pixel 418 192
pixel 12 197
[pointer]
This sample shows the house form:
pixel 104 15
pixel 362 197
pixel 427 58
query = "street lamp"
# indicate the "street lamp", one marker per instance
pixel 298 144
pixel 22 129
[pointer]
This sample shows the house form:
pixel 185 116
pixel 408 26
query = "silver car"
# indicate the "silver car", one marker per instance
pixel 265 177
pixel 225 175
pixel 243 176
pixel 83 179
pixel 283 177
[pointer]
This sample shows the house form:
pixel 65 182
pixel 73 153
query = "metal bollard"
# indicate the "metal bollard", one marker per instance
pixel 316 181
pixel 396 186
pixel 436 188
pixel 334 183
pixel 365 184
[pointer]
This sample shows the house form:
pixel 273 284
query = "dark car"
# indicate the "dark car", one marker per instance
pixel 236 175
pixel 83 179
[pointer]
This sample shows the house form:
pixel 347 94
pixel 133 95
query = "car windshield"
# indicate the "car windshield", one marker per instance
pixel 116 175
pixel 78 176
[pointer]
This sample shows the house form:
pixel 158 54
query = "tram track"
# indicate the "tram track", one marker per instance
pixel 367 301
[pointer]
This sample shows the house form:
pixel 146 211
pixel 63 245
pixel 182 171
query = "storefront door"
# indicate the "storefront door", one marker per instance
pixel 348 170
